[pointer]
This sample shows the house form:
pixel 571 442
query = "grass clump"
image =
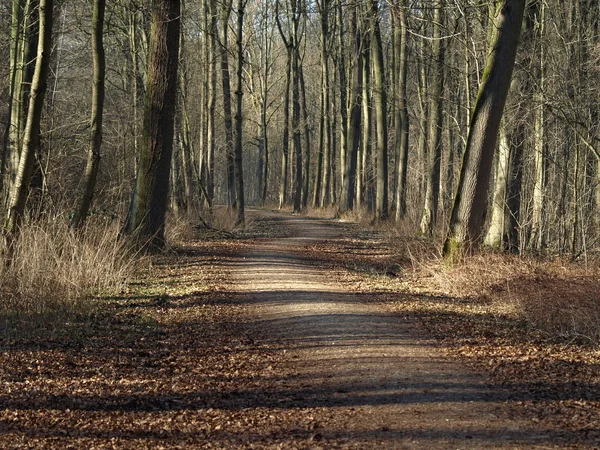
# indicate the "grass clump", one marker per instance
pixel 56 269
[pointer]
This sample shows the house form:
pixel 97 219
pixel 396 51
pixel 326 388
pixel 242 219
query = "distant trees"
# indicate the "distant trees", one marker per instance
pixel 294 104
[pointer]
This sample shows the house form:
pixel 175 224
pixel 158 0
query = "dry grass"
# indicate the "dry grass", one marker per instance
pixel 180 228
pixel 555 296
pixel 184 228
pixel 55 269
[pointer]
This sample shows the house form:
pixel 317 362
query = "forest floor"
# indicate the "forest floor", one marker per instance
pixel 292 334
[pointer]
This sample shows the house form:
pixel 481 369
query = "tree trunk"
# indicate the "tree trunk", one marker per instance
pixel 31 135
pixel 513 201
pixel 239 168
pixel 422 143
pixel 381 201
pixel 306 128
pixel 283 188
pixel 401 113
pixel 211 104
pixel 93 159
pixel 365 190
pixel 10 141
pixel 343 106
pixel 297 138
pixel 135 85
pixel 495 232
pixel 468 212
pixel 324 124
pixel 226 84
pixel 536 240
pixel 25 32
pixel 266 43
pixel 434 154
pixel 184 133
pixel 146 219
pixel 349 180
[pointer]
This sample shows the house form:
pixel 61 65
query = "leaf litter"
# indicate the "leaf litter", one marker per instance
pixel 176 362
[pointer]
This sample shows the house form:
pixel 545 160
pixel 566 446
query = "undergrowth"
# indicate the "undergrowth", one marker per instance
pixel 553 295
pixel 182 228
pixel 54 269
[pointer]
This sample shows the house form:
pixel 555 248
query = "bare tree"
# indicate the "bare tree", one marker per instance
pixel 381 202
pixel 436 105
pixel 239 119
pixel 349 180
pixel 93 159
pixel 469 208
pixel 146 217
pixel 31 133
pixel 399 12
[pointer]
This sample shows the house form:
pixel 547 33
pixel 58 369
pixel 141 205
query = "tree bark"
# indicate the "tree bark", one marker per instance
pixel 434 154
pixel 366 188
pixel 468 212
pixel 495 232
pixel 283 187
pixel 146 219
pixel 10 141
pixel 324 123
pixel 536 240
pixel 401 113
pixel 306 128
pixel 349 180
pixel 25 32
pixel 297 138
pixel 226 85
pixel 211 103
pixel 343 106
pixel 239 167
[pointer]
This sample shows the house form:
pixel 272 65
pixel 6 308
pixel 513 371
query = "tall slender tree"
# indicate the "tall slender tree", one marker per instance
pixel 349 180
pixel 31 133
pixel 401 125
pixel 468 211
pixel 93 158
pixel 379 93
pixel 434 136
pixel 226 7
pixel 239 119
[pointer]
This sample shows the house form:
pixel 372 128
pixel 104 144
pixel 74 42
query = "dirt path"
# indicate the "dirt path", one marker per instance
pixel 367 377
pixel 260 342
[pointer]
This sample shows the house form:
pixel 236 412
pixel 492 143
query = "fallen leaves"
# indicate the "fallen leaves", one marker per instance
pixel 176 362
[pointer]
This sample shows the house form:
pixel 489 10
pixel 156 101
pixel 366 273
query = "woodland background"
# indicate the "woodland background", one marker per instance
pixel 360 106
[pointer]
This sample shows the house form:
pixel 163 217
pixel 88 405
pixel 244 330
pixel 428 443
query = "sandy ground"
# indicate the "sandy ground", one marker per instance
pixel 370 378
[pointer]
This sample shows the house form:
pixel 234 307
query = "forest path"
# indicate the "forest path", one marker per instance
pixel 367 378
pixel 264 340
